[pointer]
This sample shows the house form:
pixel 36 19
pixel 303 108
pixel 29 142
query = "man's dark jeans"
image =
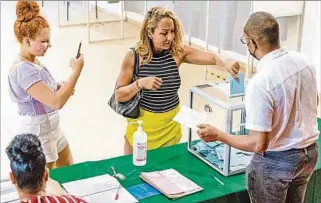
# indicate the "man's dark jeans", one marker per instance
pixel 279 177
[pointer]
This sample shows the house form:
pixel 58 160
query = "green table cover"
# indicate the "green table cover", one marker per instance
pixel 177 157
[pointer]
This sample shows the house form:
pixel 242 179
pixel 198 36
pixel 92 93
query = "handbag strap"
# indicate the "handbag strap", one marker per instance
pixel 136 67
pixel 136 61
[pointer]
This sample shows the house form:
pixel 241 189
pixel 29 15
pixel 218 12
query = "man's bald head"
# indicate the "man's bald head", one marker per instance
pixel 263 28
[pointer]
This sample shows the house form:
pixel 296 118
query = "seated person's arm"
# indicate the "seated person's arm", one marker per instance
pixel 54 188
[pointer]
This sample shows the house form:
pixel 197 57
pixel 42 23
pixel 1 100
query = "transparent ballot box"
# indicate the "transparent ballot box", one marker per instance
pixel 227 113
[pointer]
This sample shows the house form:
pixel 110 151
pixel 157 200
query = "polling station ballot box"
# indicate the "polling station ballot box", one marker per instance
pixel 226 112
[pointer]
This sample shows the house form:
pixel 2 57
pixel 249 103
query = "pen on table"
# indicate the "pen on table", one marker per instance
pixel 118 175
pixel 217 180
pixel 114 172
pixel 117 193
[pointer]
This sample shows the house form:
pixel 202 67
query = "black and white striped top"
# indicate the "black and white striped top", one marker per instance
pixel 166 98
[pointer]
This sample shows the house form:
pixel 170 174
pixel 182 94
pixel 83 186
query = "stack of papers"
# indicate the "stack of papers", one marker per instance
pixel 171 183
pixel 99 189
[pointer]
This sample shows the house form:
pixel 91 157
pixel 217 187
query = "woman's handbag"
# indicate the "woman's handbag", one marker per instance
pixel 128 109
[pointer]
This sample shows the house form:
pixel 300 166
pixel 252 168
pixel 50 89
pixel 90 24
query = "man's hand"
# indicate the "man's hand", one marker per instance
pixel 208 133
pixel 233 67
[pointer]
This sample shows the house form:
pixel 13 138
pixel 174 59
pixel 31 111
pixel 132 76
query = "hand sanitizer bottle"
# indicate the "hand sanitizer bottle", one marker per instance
pixel 140 146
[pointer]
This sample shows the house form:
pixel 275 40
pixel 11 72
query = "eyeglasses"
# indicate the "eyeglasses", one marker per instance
pixel 243 39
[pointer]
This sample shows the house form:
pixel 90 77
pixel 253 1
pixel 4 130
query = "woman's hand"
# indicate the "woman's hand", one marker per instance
pixel 150 83
pixel 233 67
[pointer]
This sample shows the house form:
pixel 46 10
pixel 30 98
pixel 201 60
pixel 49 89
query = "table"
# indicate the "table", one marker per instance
pixel 177 157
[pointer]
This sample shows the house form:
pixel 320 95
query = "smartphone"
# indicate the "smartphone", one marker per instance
pixel 79 48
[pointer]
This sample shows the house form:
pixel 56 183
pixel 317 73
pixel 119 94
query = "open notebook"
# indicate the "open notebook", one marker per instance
pixel 99 189
pixel 171 183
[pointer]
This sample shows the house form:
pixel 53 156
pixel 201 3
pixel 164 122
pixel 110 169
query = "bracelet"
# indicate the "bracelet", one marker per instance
pixel 137 84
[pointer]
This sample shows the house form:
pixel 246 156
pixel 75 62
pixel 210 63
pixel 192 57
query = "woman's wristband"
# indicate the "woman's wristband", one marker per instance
pixel 137 84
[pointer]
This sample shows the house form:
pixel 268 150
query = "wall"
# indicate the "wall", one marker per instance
pixel 236 13
pixel 191 13
pixel 111 6
pixel 310 43
pixel 279 8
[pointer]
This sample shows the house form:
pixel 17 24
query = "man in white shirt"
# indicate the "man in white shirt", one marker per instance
pixel 281 116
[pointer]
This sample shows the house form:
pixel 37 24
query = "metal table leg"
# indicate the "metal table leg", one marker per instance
pixel 190 18
pixel 96 10
pixel 68 5
pixel 206 32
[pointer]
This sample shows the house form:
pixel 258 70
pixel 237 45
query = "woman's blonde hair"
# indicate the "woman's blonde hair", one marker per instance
pixel 144 46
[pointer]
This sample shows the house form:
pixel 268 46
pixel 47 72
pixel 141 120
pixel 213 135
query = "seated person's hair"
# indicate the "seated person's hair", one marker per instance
pixel 29 172
pixel 27 162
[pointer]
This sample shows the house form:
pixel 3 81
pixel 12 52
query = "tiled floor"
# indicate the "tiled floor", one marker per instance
pixel 94 131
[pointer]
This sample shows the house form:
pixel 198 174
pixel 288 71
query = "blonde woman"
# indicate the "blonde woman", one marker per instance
pixel 161 52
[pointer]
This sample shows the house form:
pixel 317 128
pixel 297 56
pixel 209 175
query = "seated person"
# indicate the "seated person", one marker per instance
pixel 30 175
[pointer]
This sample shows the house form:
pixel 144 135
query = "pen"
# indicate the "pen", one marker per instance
pixel 114 172
pixel 117 193
pixel 118 175
pixel 218 180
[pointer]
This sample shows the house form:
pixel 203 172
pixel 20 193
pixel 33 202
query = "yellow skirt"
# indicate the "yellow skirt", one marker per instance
pixel 160 128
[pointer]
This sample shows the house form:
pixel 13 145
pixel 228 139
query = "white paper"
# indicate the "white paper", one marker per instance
pixel 91 185
pixel 8 192
pixel 99 189
pixel 109 196
pixel 190 118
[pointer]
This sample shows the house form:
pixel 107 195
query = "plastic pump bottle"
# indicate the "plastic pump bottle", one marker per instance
pixel 140 146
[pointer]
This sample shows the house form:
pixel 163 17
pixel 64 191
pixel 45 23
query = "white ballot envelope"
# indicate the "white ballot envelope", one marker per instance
pixel 190 118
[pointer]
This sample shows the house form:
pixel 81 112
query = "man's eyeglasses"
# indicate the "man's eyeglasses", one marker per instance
pixel 243 39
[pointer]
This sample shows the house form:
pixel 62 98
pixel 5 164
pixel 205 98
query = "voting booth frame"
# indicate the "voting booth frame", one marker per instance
pixel 229 107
